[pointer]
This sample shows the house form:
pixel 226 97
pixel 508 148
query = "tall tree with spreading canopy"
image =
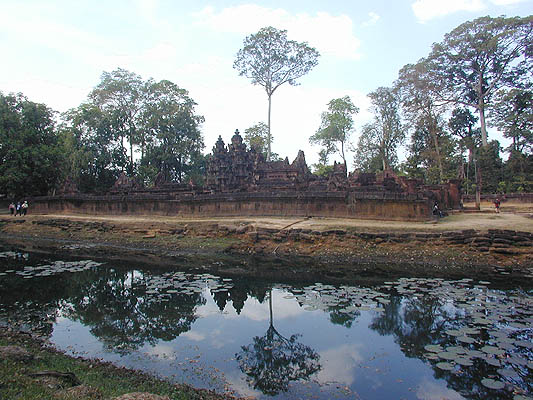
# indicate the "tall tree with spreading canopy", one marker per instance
pixel 512 114
pixel 173 129
pixel 478 58
pixel 30 155
pixel 336 126
pixel 94 150
pixel 269 59
pixel 423 113
pixel 378 144
pixel 121 95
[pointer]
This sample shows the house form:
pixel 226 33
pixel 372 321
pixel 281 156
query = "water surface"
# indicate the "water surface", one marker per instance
pixel 409 338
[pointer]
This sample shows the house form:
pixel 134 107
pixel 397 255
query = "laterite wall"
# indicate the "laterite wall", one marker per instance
pixel 337 205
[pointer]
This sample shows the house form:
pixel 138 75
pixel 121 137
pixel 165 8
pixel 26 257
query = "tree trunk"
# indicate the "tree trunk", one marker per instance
pixel 437 152
pixel 269 137
pixel 131 156
pixel 478 186
pixel 481 109
pixel 343 157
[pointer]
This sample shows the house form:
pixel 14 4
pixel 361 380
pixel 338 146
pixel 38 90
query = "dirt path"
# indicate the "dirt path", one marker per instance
pixel 519 221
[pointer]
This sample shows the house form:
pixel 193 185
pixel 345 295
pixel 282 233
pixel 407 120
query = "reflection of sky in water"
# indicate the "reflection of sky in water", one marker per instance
pixel 353 360
pixel 370 342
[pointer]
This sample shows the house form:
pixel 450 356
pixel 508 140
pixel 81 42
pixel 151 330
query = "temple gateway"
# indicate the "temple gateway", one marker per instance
pixel 240 182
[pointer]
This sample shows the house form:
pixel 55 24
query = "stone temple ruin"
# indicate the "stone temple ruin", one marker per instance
pixel 240 182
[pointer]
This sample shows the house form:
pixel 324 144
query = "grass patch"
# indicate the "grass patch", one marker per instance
pixel 106 380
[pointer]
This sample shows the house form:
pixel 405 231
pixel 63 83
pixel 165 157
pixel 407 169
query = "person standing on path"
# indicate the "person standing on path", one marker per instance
pixel 12 208
pixel 24 207
pixel 497 205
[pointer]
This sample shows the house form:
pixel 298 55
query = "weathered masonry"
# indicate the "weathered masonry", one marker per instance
pixel 240 182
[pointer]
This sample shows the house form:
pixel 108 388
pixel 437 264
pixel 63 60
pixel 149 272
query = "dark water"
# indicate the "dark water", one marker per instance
pixel 410 338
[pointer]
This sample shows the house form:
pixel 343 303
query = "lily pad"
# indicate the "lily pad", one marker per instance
pixel 508 373
pixel 492 384
pixel 524 343
pixel 454 332
pixel 466 339
pixel 493 350
pixel 445 366
pixel 447 355
pixel 465 362
pixel 433 348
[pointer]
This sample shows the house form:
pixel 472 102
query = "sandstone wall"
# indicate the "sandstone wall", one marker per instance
pixel 323 204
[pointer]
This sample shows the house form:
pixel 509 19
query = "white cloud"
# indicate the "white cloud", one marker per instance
pixel 338 364
pixel 194 336
pixel 373 18
pixel 433 391
pixel 507 2
pixel 331 34
pixel 162 351
pixel 426 10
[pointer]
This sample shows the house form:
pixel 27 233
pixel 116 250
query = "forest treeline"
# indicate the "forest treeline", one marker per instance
pixel 440 109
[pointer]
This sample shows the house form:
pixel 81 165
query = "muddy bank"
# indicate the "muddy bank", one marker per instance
pixel 283 252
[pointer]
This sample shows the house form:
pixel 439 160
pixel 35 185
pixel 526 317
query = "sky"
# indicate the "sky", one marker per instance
pixel 55 51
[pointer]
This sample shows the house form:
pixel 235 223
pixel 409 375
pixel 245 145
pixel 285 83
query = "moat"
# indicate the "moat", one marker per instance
pixel 410 338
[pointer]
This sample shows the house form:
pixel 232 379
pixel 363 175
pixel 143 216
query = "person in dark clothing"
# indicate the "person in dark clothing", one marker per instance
pixel 12 208
pixel 497 205
pixel 436 211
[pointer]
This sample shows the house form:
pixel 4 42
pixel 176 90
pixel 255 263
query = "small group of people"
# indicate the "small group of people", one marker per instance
pixel 19 208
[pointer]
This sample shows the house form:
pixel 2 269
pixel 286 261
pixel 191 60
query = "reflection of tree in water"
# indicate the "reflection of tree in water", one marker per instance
pixel 414 322
pixel 418 321
pixel 119 312
pixel 273 361
pixel 32 302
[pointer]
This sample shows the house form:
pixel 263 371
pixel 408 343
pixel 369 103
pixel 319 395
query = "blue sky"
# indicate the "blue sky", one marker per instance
pixel 55 52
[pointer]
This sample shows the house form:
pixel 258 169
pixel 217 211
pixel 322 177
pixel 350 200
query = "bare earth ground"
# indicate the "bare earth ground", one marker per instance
pixel 517 216
pixel 362 248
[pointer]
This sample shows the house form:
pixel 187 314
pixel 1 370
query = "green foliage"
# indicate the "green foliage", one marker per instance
pixel 269 59
pixel 491 166
pixel 322 169
pixel 379 140
pixel 94 152
pixel 336 126
pixel 29 150
pixel 477 58
pixel 120 96
pixel 425 118
pixel 256 137
pixel 513 115
pixel 156 118
pixel 173 138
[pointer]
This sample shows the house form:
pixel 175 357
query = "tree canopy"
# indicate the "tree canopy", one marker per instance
pixel 270 60
pixel 30 155
pixel 380 138
pixel 155 119
pixel 479 57
pixel 335 128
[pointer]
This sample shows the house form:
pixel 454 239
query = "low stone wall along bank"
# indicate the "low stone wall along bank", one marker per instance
pixel 387 206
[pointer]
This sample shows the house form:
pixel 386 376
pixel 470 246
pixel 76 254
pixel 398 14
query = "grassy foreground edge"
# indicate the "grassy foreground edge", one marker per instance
pixel 99 380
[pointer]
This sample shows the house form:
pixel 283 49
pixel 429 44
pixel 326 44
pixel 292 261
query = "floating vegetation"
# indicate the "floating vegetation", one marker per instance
pixel 44 270
pixel 471 329
pixel 492 384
